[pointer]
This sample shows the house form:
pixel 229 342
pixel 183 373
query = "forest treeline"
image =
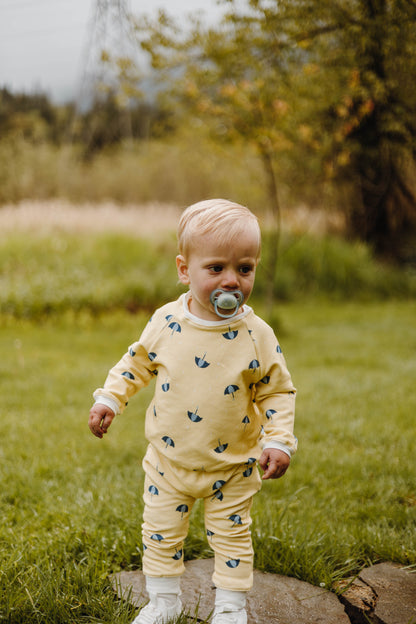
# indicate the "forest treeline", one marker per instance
pixel 322 92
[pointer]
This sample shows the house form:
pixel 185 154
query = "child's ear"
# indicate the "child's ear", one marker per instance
pixel 182 268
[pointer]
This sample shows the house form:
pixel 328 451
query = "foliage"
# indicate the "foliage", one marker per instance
pixel 45 275
pixel 322 81
pixel 71 504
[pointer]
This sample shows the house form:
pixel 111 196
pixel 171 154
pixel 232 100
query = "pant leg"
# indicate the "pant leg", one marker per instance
pixel 227 520
pixel 165 521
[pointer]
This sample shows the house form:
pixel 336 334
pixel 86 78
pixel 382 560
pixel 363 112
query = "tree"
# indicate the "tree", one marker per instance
pixel 332 79
pixel 364 104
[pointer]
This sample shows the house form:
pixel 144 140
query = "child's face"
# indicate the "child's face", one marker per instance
pixel 211 265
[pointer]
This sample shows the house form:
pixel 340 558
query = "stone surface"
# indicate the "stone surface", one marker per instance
pixel 273 599
pixel 396 592
pixel 384 593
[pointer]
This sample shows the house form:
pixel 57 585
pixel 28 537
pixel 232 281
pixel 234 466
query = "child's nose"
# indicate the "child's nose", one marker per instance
pixel 230 279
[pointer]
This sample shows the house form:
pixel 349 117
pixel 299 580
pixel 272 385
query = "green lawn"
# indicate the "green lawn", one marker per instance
pixel 71 504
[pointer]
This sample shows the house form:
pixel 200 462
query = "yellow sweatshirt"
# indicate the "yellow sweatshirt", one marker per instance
pixel 222 391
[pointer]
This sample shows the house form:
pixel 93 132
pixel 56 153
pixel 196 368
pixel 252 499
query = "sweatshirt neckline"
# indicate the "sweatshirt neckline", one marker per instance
pixel 205 323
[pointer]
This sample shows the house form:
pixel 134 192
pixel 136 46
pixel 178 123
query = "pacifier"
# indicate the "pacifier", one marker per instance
pixel 226 300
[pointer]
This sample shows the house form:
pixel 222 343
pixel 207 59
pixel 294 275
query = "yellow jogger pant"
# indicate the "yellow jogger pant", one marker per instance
pixel 170 493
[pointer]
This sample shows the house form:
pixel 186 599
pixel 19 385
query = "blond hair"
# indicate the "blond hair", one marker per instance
pixel 220 217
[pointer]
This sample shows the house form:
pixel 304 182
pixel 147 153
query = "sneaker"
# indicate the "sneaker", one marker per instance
pixel 152 614
pixel 229 617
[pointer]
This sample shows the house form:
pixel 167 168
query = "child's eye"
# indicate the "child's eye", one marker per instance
pixel 247 268
pixel 216 268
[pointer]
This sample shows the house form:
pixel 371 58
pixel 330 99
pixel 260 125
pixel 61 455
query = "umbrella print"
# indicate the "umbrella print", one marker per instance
pixel 265 379
pixel 175 327
pixel 152 356
pixel 251 460
pixel 154 411
pixel 235 519
pixel 168 317
pixel 269 413
pixel 165 386
pixel 245 420
pixel 132 352
pixel 231 389
pixel 221 447
pixel 127 374
pixel 248 472
pixel 210 534
pixel 153 491
pixel 182 509
pixel 157 537
pixel 201 362
pixel 219 495
pixel 169 441
pixel 231 334
pixel 278 349
pixel 194 416
pixel 254 364
pixel 218 484
pixel 177 555
pixel 232 563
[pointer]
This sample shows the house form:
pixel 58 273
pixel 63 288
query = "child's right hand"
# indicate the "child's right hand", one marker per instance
pixel 100 419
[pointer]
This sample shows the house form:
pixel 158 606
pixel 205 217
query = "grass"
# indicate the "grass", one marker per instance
pixel 48 273
pixel 71 504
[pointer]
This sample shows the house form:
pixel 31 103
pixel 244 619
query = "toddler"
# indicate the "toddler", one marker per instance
pixel 223 401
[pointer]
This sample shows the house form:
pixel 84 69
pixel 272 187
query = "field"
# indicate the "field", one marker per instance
pixel 71 504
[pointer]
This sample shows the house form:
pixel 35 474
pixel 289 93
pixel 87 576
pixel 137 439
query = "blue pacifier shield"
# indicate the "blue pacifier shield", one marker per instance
pixel 226 300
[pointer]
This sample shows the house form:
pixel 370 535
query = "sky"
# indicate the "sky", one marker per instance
pixel 44 44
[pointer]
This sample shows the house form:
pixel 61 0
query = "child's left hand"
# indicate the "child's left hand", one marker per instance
pixel 274 463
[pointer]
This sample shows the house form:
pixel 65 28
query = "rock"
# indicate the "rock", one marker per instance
pixel 384 593
pixel 273 599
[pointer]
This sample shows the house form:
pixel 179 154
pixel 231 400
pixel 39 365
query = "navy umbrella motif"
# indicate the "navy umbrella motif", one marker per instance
pixel 177 555
pixel 248 472
pixel 231 389
pixel 218 484
pixel 219 495
pixel 157 537
pixel 194 416
pixel 254 364
pixel 152 356
pixel 182 509
pixel 127 374
pixel 201 361
pixel 235 519
pixel 175 327
pixel 221 447
pixel 165 386
pixel 210 534
pixel 132 352
pixel 265 380
pixel 232 563
pixel 153 491
pixel 245 421
pixel 270 412
pixel 154 411
pixel 169 441
pixel 231 334
pixel 278 349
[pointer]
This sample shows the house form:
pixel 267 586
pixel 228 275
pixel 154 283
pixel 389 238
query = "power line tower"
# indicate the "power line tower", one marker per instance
pixel 109 61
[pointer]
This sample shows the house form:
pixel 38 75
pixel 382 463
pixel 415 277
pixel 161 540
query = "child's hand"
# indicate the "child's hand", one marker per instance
pixel 100 419
pixel 274 463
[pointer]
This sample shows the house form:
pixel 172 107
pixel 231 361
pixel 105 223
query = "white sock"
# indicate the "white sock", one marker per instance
pixel 229 600
pixel 168 588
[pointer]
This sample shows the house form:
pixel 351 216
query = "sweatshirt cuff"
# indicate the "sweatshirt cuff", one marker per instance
pixel 279 446
pixel 105 400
